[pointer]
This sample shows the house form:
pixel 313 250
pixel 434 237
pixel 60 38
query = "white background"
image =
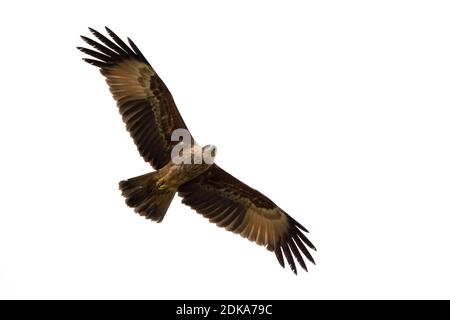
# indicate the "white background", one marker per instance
pixel 337 110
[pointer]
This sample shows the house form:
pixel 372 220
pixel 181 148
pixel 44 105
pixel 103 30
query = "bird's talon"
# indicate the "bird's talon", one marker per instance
pixel 160 184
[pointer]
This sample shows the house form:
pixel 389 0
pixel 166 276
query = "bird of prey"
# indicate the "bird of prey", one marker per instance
pixel 151 116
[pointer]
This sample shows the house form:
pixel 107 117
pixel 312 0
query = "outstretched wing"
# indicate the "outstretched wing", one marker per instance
pixel 233 205
pixel 145 103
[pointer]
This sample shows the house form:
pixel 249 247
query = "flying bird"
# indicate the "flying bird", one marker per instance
pixel 151 116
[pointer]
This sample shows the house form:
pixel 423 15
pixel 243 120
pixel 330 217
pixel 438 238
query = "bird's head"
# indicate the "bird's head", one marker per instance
pixel 209 153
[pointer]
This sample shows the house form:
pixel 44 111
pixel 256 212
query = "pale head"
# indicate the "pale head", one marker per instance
pixel 209 153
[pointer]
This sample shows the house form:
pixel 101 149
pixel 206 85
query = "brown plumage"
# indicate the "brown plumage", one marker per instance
pixel 145 103
pixel 150 115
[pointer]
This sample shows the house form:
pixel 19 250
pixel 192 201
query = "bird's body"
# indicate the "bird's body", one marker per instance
pixel 151 117
pixel 173 175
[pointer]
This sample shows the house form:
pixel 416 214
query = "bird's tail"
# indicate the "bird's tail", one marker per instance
pixel 147 199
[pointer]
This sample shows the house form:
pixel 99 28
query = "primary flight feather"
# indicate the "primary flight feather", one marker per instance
pixel 151 117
